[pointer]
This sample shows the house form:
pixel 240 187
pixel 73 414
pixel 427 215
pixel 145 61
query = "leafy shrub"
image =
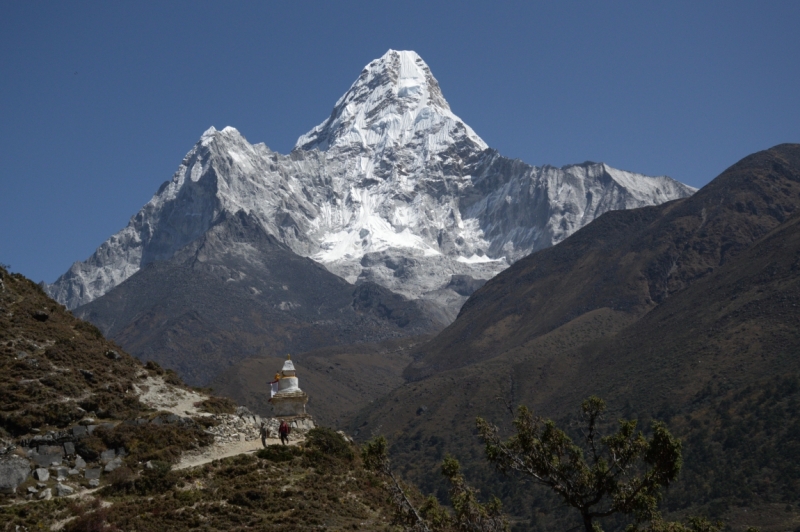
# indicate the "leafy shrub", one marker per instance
pixel 325 448
pixel 153 366
pixel 279 453
pixel 329 442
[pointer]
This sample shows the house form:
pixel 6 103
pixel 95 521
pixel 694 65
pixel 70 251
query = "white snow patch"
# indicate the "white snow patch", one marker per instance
pixel 478 259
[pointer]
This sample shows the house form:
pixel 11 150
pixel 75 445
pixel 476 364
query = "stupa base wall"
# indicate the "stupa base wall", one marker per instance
pixel 290 406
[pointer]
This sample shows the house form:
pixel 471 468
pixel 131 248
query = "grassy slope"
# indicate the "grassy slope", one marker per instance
pixel 41 361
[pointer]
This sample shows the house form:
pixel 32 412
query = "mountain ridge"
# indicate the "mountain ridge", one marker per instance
pixel 706 229
pixel 712 353
pixel 391 188
pixel 238 291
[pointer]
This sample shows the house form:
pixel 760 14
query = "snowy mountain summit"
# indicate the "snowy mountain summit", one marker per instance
pixel 392 188
pixel 395 102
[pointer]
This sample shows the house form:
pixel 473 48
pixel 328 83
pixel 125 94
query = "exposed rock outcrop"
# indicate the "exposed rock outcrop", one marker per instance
pixel 14 470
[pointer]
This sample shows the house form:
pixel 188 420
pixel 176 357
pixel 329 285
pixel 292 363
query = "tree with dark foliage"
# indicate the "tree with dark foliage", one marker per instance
pixel 619 473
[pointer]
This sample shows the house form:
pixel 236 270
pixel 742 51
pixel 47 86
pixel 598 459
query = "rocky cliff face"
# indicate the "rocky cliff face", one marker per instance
pixel 392 188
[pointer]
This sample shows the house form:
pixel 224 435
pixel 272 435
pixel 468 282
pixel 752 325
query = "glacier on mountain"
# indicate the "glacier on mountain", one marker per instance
pixel 392 188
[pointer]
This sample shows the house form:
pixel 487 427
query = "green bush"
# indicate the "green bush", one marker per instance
pixel 279 453
pixel 324 447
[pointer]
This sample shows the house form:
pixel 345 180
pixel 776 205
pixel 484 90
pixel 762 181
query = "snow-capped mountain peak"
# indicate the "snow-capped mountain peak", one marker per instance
pixel 392 188
pixel 395 101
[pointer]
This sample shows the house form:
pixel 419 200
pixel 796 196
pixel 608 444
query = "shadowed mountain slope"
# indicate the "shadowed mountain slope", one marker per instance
pixel 339 380
pixel 627 262
pixel 693 318
pixel 238 292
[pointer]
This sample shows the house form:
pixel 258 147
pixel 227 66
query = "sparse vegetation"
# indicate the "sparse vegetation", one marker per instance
pixel 469 514
pixel 163 443
pixel 243 492
pixel 54 366
pixel 217 405
pixel 326 442
pixel 279 453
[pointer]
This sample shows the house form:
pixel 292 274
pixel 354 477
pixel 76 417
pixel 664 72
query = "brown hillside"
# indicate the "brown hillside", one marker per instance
pixel 715 355
pixel 101 457
pixel 280 489
pixel 339 380
pixel 626 261
pixel 56 368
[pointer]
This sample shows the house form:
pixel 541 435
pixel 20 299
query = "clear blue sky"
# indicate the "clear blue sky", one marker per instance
pixel 99 101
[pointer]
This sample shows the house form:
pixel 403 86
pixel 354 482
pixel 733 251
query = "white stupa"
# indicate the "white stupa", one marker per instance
pixel 289 400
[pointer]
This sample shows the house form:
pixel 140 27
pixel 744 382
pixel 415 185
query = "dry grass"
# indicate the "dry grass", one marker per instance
pixel 56 369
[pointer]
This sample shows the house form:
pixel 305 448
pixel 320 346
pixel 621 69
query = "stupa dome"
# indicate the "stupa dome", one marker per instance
pixel 289 400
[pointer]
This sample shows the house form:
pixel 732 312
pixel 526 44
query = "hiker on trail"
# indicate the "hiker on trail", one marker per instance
pixel 284 431
pixel 264 433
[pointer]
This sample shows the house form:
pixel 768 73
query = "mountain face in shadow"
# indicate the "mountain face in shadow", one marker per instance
pixel 339 380
pixel 238 292
pixel 687 312
pixel 625 263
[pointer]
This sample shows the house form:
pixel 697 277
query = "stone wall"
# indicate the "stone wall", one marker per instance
pixel 247 427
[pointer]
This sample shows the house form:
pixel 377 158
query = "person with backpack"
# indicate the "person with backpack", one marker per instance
pixel 264 433
pixel 284 431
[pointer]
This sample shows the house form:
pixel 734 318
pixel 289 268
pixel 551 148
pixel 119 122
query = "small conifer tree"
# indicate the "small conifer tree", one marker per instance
pixel 623 472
